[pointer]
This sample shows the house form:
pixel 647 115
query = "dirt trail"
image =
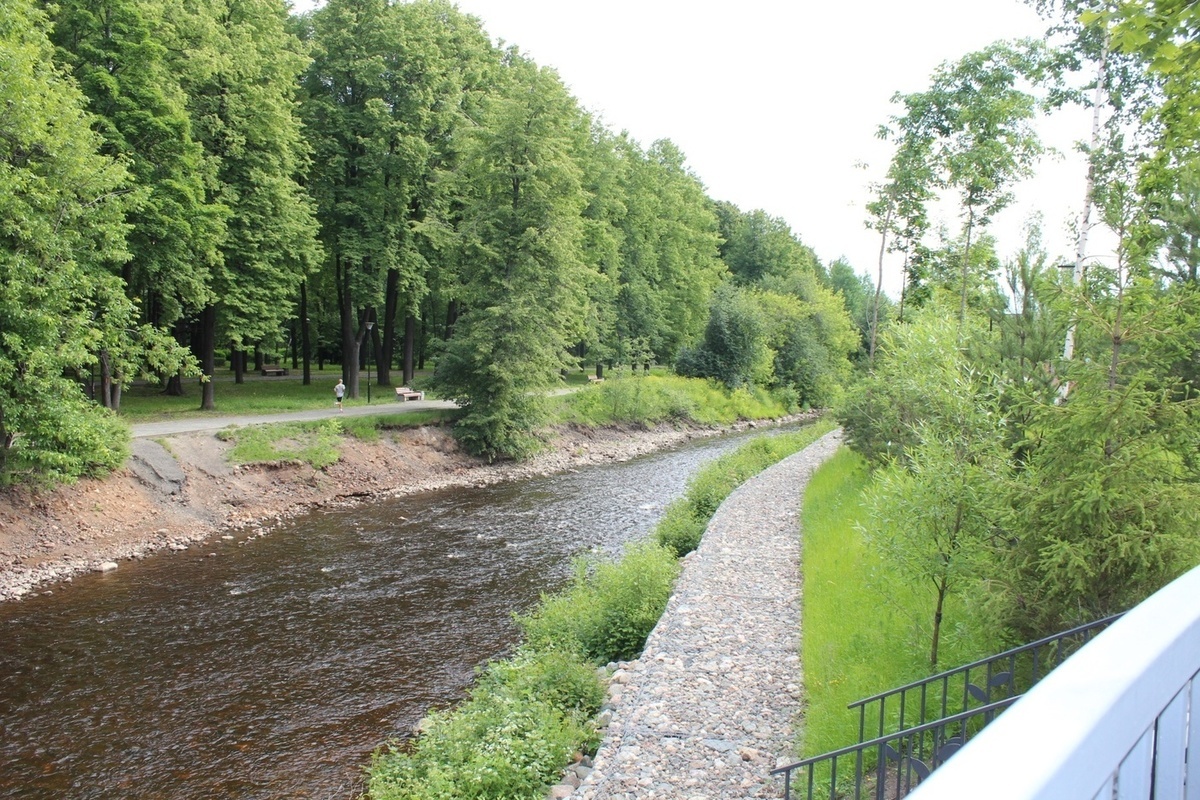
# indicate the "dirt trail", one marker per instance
pixel 182 493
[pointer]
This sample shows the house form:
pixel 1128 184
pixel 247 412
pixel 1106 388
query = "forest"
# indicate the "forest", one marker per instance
pixel 187 184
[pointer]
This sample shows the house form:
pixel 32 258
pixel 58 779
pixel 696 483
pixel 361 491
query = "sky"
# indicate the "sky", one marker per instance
pixel 776 103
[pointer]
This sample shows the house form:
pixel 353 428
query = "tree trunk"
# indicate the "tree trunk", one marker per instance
pixel 424 335
pixel 410 333
pixel 105 379
pixel 391 303
pixel 1089 200
pixel 878 287
pixel 114 401
pixel 208 356
pixel 451 318
pixel 305 347
pixel 937 623
pixel 238 359
pixel 966 270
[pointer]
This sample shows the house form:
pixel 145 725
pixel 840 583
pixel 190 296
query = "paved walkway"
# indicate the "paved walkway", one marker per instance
pixel 708 710
pixel 353 408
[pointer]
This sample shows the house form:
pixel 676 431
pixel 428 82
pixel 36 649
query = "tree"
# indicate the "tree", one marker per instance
pixel 932 513
pixel 62 232
pixel 978 123
pixel 670 264
pixel 241 80
pixel 522 278
pixel 734 348
pixel 117 51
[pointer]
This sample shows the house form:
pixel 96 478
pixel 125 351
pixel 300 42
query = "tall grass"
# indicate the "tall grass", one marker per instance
pixel 865 628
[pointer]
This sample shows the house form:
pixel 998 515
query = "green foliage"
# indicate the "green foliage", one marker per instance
pixel 77 439
pixel 315 443
pixel 734 349
pixel 1107 507
pixel 610 607
pixel 495 745
pixel 61 232
pixel 920 375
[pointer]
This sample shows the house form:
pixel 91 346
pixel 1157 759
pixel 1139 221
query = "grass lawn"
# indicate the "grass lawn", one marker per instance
pixel 864 629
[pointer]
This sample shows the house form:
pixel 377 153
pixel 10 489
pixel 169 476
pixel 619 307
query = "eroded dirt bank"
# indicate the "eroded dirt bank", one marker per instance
pixel 48 536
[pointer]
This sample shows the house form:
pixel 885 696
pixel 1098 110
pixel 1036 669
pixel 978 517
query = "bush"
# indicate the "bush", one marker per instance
pixel 493 745
pixel 679 530
pixel 610 607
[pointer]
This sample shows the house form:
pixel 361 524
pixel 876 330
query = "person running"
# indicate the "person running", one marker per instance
pixel 339 392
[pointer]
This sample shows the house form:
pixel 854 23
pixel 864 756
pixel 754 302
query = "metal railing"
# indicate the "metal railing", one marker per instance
pixel 909 738
pixel 900 760
pixel 951 692
pixel 1119 719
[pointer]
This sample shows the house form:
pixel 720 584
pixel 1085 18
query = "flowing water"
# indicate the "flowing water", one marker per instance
pixel 272 667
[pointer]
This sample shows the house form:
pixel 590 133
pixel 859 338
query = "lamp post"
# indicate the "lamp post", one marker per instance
pixel 370 325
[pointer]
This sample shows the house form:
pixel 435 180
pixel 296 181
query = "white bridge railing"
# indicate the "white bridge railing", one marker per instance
pixel 1118 720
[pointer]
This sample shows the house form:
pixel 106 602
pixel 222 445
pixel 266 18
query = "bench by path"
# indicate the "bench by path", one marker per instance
pixel 708 710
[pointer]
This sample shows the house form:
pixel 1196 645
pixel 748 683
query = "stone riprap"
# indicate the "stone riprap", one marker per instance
pixel 708 710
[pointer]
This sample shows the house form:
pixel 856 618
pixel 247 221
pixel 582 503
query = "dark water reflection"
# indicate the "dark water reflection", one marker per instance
pixel 272 667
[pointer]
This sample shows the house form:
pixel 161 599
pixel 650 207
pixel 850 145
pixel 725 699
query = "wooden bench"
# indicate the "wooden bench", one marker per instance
pixel 404 393
pixel 594 379
pixel 273 370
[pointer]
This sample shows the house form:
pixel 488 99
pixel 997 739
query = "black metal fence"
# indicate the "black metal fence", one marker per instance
pixel 916 727
pixel 889 766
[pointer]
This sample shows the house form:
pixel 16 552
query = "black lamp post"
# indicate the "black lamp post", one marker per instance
pixel 370 325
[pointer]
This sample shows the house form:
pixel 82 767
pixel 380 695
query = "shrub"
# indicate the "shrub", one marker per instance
pixel 494 745
pixel 610 607
pixel 679 530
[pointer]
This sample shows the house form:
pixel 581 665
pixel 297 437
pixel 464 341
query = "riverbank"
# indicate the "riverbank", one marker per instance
pixel 178 491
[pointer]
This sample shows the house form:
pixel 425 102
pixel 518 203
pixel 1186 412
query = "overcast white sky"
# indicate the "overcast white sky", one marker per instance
pixel 776 102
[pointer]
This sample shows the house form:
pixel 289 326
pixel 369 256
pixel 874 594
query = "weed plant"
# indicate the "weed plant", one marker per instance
pixel 609 608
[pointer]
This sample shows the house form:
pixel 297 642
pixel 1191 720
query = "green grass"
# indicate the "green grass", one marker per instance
pixel 865 628
pixel 318 443
pixel 257 395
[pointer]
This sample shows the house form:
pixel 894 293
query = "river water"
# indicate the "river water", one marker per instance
pixel 272 667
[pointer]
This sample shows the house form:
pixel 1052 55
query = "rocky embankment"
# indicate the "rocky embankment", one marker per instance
pixel 178 491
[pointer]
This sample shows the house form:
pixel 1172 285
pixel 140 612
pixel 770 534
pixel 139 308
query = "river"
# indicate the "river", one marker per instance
pixel 272 666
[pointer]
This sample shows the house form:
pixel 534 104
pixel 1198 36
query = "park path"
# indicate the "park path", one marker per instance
pixel 353 408
pixel 708 710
